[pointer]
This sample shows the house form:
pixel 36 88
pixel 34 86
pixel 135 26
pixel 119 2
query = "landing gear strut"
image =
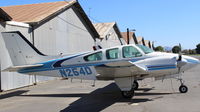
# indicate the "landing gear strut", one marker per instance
pixel 183 88
pixel 131 93
pixel 135 85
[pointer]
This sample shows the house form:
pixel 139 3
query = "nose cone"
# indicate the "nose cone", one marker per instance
pixel 190 62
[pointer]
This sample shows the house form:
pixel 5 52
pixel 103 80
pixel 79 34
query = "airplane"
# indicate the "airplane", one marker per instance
pixel 125 64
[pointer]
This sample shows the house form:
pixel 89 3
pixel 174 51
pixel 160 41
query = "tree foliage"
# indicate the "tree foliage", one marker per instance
pixel 189 51
pixel 176 49
pixel 192 51
pixel 198 48
pixel 159 48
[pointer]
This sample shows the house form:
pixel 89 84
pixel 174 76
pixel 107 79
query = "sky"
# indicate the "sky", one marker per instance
pixel 166 22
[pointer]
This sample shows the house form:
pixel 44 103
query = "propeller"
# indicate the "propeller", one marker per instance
pixel 180 54
pixel 180 61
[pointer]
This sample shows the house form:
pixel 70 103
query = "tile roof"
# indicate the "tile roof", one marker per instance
pixel 146 42
pixel 124 35
pixel 103 28
pixel 140 40
pixel 4 16
pixel 31 13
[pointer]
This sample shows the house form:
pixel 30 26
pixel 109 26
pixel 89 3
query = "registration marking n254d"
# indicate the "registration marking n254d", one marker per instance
pixel 75 71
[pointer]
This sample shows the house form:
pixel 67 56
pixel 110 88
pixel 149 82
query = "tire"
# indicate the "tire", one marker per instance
pixel 183 89
pixel 128 94
pixel 135 85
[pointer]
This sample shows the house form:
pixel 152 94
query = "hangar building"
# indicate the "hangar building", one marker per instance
pixel 136 40
pixel 132 37
pixel 55 28
pixel 110 35
pixel 140 40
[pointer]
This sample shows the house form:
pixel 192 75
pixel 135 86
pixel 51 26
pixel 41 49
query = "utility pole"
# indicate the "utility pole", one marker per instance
pixel 128 36
pixel 128 39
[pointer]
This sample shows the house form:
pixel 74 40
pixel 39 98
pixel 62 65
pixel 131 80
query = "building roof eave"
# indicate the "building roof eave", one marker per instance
pixel 45 18
pixel 4 15
pixel 87 20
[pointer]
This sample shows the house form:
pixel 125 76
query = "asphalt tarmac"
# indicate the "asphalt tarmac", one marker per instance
pixel 67 96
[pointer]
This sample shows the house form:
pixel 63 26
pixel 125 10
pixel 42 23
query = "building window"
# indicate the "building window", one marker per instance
pixel 94 57
pixel 112 53
pixel 130 52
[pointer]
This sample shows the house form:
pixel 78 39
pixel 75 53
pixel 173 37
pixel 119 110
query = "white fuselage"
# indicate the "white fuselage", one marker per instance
pixel 124 64
pixel 154 64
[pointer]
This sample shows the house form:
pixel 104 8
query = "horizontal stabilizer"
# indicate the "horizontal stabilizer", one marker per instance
pixel 17 68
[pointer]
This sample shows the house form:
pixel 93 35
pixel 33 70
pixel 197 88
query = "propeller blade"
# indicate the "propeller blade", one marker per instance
pixel 180 48
pixel 180 54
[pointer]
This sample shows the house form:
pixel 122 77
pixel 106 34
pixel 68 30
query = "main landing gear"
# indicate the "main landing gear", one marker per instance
pixel 128 94
pixel 183 88
pixel 135 85
pixel 131 93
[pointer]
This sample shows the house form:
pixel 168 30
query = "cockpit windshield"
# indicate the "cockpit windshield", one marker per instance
pixel 145 49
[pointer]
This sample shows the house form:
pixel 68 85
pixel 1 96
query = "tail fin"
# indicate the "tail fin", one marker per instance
pixel 21 51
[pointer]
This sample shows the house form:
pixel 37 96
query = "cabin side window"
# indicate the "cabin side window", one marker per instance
pixel 112 53
pixel 94 57
pixel 130 52
pixel 145 49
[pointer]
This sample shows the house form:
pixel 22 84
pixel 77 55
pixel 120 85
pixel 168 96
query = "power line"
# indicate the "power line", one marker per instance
pixel 89 12
pixel 90 17
pixel 72 24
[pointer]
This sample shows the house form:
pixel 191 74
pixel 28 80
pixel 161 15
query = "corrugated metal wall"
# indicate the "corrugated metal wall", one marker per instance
pixel 63 34
pixel 11 80
pixel 123 41
pixel 111 40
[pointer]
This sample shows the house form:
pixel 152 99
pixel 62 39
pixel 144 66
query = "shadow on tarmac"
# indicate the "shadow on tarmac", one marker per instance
pixel 12 94
pixel 145 89
pixel 99 99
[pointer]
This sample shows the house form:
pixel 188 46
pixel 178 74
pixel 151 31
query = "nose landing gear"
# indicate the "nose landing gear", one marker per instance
pixel 183 88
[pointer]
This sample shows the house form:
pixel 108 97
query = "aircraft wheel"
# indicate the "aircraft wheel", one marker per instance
pixel 128 94
pixel 135 85
pixel 183 89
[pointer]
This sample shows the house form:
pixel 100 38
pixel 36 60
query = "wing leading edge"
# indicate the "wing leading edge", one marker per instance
pixel 138 67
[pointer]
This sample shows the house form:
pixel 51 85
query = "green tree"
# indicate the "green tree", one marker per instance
pixel 159 48
pixel 176 49
pixel 192 51
pixel 186 51
pixel 198 48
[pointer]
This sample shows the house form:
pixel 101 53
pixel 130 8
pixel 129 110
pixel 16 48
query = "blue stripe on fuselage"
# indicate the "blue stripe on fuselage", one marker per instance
pixel 49 64
pixel 161 67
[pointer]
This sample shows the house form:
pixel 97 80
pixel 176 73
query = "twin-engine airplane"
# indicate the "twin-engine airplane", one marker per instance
pixel 124 64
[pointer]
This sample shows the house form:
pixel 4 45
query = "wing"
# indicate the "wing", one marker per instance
pixel 17 68
pixel 137 66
